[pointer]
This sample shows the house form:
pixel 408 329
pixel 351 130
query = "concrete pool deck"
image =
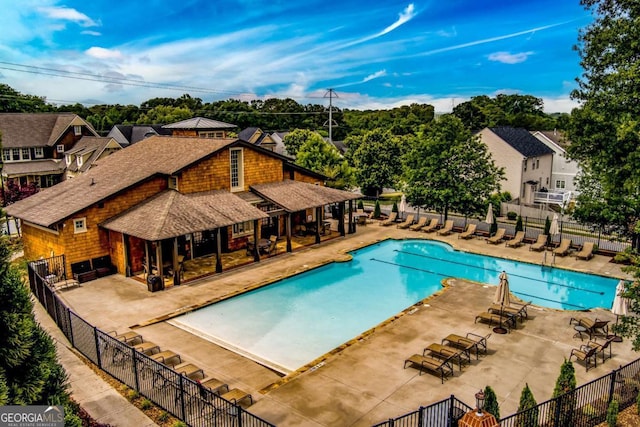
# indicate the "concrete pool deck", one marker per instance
pixel 365 383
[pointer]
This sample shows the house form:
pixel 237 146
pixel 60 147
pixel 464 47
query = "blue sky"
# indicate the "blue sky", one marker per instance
pixel 374 54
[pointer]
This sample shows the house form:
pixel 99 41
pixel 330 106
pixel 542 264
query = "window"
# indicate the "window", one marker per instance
pixel 6 155
pixel 39 152
pixel 79 161
pixel 67 159
pixel 560 183
pixel 16 153
pixel 80 225
pixel 236 169
pixel 525 165
pixel 77 130
pixel 242 229
pixel 219 134
pixel 173 182
pixel 60 148
pixel 537 163
pixel 26 154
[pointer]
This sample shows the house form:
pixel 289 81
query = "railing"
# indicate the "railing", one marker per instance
pixel 445 413
pixel 558 198
pixel 177 394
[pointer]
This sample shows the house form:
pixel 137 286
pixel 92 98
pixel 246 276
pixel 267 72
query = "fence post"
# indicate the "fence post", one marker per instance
pixel 239 412
pixel 556 416
pixel 612 387
pixel 451 402
pixel 70 337
pixel 183 414
pixel 135 367
pixel 95 338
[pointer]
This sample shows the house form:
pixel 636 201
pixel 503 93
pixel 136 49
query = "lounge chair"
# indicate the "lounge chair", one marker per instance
pixel 563 249
pixel 585 354
pixel 214 384
pixel 392 218
pixel 586 253
pixel 593 327
pixel 147 348
pixel 602 347
pixel 166 356
pixel 516 242
pixel 496 319
pixel 431 227
pixel 539 244
pixel 519 311
pixel 429 363
pixel 189 370
pixel 447 229
pixel 468 342
pixel 235 396
pixel 470 231
pixel 498 237
pixel 407 223
pixel 272 248
pixel 418 225
pixel 129 337
pixel 446 352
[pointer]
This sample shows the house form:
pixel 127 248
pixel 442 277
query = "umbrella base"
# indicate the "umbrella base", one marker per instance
pixel 614 338
pixel 500 330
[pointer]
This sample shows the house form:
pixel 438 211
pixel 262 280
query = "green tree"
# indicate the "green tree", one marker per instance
pixel 12 101
pixel 519 226
pixel 376 210
pixel 448 168
pixel 297 138
pixel 612 413
pixel 563 391
pixel 605 131
pixel 527 403
pixel 165 114
pixel 491 402
pixel 376 158
pixel 323 157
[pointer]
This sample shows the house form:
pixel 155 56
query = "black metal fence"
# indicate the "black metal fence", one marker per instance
pixel 177 394
pixel 445 413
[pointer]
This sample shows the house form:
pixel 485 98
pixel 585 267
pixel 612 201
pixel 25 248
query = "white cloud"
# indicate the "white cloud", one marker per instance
pixel 509 58
pixel 91 33
pixel 375 75
pixel 68 14
pixel 405 16
pixel 102 53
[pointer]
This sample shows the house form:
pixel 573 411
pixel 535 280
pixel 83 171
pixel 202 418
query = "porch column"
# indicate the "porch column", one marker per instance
pixel 351 225
pixel 127 261
pixel 341 218
pixel 288 227
pixel 147 260
pixel 256 240
pixel 218 251
pixel 159 262
pixel 318 222
pixel 176 274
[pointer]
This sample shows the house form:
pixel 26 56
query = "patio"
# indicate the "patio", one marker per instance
pixel 363 382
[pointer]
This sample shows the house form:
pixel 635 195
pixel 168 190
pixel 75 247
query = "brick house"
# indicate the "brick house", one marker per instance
pixel 166 197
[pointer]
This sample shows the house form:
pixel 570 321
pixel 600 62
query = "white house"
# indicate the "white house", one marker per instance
pixel 564 171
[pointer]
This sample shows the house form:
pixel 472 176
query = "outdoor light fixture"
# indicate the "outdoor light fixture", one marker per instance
pixel 479 402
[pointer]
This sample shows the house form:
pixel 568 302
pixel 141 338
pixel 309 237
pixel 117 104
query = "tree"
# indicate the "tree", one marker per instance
pixel 605 131
pixel 323 157
pixel 547 227
pixel 519 226
pixel 376 210
pixel 165 114
pixel 491 402
pixel 612 413
pixel 297 138
pixel 12 101
pixel 448 168
pixel 527 403
pixel 376 158
pixel 563 391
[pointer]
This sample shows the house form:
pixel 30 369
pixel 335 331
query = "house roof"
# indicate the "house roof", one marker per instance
pixel 88 144
pixel 162 155
pixel 34 129
pixel 522 141
pixel 557 137
pixel 33 167
pixel 295 196
pixel 246 134
pixel 199 123
pixel 130 134
pixel 171 214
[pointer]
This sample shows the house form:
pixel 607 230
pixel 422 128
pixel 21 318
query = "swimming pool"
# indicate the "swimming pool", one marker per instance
pixel 292 322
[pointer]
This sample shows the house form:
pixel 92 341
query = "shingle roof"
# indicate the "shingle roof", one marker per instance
pixel 112 174
pixel 246 134
pixel 171 214
pixel 199 123
pixel 521 140
pixel 88 144
pixel 33 167
pixel 33 129
pixel 295 196
pixel 130 134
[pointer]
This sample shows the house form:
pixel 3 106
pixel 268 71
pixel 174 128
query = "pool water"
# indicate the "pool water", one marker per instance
pixel 290 323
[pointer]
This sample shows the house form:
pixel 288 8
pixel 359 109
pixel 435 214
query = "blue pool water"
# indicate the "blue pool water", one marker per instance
pixel 290 323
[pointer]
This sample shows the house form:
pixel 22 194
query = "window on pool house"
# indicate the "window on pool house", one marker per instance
pixel 237 180
pixel 242 229
pixel 80 225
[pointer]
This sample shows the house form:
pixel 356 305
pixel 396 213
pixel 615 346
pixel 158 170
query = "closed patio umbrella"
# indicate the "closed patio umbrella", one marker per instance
pixel 620 305
pixel 403 205
pixel 489 218
pixel 502 298
pixel 554 229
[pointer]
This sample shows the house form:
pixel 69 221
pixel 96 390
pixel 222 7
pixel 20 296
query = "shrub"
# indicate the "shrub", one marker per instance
pixel 527 402
pixel 146 404
pixel 547 227
pixel 395 207
pixel 491 402
pixel 612 413
pixel 494 226
pixel 566 383
pixel 638 403
pixel 163 417
pixel 519 224
pixel 360 204
pixel 179 424
pixel 511 215
pixel 376 210
pixel 132 395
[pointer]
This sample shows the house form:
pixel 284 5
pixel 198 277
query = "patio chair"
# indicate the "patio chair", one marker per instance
pixel 564 248
pixel 447 229
pixel 429 363
pixel 602 347
pixel 468 342
pixel 520 312
pixel 585 354
pixel 593 327
pixel 446 352
pixel 431 227
pixel 496 319
pixel 418 225
pixel 498 237
pixel 586 253
pixel 235 396
pixel 470 231
pixel 407 223
pixel 272 248
pixel 516 242
pixel 214 385
pixel 189 370
pixel 540 243
pixel 129 337
pixel 392 218
pixel 166 356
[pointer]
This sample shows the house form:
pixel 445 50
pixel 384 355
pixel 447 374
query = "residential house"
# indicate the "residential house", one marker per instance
pixel 257 136
pixel 33 146
pixel 130 134
pixel 86 152
pixel 527 162
pixel 564 171
pixel 200 127
pixel 166 197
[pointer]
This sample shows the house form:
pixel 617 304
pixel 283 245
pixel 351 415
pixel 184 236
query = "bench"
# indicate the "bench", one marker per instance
pixel 83 272
pixel 442 367
pixel 102 265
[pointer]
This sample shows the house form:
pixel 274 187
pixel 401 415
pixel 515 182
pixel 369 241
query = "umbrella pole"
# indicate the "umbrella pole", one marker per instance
pixel 500 329
pixel 615 337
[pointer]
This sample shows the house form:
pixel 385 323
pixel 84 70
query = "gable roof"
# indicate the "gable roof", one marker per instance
pixel 155 155
pixel 35 129
pixel 522 141
pixel 171 214
pixel 130 134
pixel 89 144
pixel 33 167
pixel 295 196
pixel 200 123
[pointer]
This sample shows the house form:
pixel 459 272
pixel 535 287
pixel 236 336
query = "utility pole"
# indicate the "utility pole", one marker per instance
pixel 330 94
